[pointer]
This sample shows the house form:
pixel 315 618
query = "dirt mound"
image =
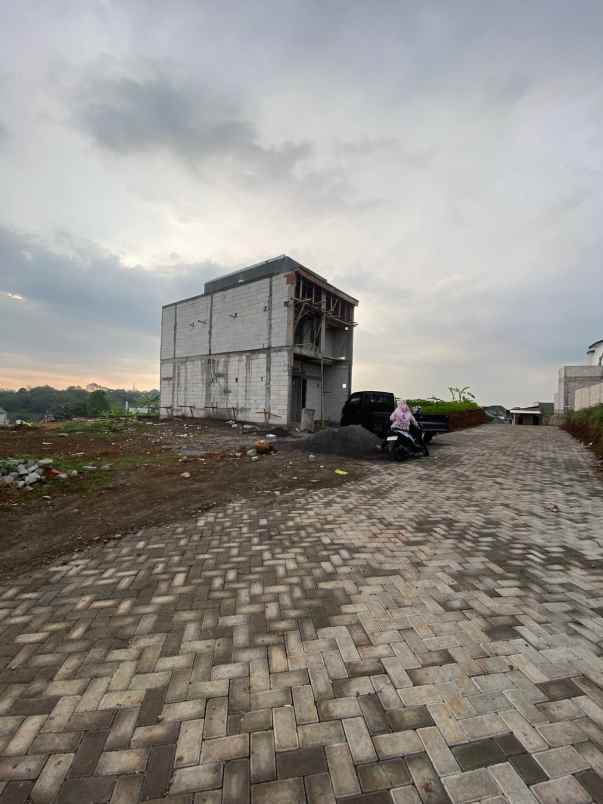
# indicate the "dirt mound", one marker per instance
pixel 354 441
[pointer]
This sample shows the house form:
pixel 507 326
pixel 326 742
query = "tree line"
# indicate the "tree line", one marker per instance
pixel 33 404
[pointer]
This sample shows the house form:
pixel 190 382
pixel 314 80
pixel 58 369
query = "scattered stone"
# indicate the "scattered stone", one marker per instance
pixel 185 474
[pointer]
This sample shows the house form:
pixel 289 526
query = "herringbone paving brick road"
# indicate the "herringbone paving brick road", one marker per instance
pixel 429 634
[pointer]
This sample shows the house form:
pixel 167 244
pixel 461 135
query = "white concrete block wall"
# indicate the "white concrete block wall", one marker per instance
pixel 238 381
pixel 167 331
pixel 192 327
pixel 226 385
pixel 282 291
pixel 280 386
pixel 589 397
pixel 240 318
pixel 165 388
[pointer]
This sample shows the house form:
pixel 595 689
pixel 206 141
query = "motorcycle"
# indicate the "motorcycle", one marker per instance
pixel 402 444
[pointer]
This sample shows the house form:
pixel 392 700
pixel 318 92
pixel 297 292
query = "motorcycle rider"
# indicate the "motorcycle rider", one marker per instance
pixel 402 418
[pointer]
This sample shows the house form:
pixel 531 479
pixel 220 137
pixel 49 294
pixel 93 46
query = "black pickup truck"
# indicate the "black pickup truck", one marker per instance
pixel 372 410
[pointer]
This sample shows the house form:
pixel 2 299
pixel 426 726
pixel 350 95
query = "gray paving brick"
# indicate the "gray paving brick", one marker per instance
pixel 263 762
pixel 511 784
pixel 122 762
pixel 319 789
pixel 224 748
pixel 561 761
pixel 285 791
pixel 399 743
pixel 566 790
pixel 471 786
pixel 199 777
pixel 341 767
pixel 468 642
pixel 383 775
pixel 359 740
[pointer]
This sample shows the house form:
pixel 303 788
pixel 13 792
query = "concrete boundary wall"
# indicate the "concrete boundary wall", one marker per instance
pixel 589 397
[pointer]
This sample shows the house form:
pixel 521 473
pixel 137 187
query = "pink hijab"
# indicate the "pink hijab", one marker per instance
pixel 402 416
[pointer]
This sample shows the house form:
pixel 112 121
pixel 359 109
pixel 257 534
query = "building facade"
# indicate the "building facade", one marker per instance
pixel 259 345
pixel 574 378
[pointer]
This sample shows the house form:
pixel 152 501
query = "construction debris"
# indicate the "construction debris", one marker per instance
pixel 26 473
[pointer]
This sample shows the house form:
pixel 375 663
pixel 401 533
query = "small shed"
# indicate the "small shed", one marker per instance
pixel 3 418
pixel 527 414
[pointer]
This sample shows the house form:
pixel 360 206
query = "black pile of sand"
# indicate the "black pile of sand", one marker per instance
pixel 354 441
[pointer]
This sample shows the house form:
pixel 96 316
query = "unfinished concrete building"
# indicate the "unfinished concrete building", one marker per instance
pixel 574 381
pixel 259 345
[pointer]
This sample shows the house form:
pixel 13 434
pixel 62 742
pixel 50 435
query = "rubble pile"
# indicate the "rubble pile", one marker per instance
pixel 26 473
pixel 353 441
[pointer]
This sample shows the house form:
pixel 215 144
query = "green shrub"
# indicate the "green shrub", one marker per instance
pixel 587 426
pixel 428 406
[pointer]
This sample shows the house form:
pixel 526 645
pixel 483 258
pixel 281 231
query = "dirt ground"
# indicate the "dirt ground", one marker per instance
pixel 137 481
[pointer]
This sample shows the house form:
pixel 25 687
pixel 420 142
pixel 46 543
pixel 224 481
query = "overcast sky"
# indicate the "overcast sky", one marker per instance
pixel 441 160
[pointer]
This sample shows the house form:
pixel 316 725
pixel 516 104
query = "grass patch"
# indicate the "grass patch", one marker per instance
pixel 103 426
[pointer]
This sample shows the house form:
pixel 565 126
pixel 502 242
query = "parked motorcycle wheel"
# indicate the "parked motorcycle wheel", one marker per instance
pixel 400 453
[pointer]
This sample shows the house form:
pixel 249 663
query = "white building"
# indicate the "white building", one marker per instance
pixel 259 345
pixel 3 418
pixel 574 381
pixel 527 414
pixel 595 352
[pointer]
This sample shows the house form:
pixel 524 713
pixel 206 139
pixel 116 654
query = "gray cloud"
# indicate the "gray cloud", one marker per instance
pixel 73 310
pixel 79 283
pixel 127 114
pixel 441 161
